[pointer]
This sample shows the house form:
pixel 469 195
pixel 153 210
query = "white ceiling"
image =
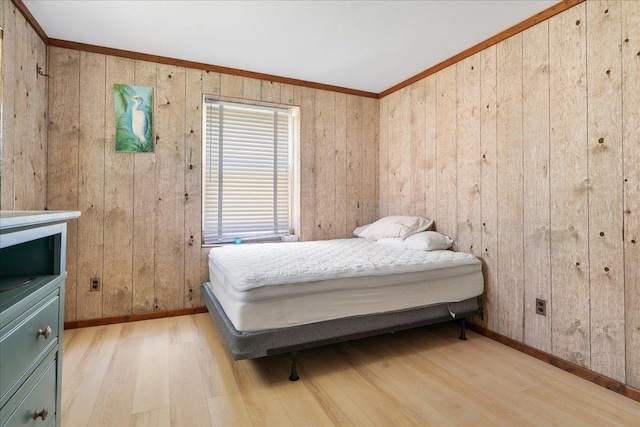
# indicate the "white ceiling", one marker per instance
pixel 365 45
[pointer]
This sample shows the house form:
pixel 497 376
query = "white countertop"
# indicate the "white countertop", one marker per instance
pixel 14 219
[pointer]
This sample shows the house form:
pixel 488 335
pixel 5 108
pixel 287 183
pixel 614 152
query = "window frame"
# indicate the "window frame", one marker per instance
pixel 292 167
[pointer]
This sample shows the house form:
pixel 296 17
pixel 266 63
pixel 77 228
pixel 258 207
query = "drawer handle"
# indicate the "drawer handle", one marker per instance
pixel 46 333
pixel 42 414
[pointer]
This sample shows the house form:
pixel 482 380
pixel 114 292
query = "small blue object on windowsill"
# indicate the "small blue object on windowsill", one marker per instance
pixel 237 240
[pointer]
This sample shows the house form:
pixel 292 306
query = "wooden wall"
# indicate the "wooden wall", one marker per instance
pixel 140 229
pixel 523 153
pixel 23 158
pixel 526 154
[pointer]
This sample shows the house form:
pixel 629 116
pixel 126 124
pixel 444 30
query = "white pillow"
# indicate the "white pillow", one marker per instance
pixel 428 241
pixel 396 226
pixel 423 224
pixel 424 241
pixel 358 230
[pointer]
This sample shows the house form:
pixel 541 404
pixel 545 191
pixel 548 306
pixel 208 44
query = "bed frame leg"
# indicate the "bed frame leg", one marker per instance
pixel 294 372
pixel 463 330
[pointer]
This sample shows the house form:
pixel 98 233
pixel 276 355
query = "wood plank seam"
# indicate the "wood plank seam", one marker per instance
pixel 550 302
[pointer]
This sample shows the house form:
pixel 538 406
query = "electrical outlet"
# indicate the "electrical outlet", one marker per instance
pixel 95 284
pixel 541 307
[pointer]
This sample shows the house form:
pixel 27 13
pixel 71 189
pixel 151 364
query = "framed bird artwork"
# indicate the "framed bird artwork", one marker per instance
pixel 133 118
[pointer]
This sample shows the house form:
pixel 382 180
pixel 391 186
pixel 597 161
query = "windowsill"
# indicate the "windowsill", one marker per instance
pixel 250 242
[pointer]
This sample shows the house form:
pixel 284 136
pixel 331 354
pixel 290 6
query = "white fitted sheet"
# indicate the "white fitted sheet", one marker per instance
pixel 276 285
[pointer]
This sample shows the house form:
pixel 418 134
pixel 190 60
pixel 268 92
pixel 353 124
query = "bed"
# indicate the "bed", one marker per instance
pixel 273 298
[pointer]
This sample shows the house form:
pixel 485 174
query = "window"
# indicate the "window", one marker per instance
pixel 246 183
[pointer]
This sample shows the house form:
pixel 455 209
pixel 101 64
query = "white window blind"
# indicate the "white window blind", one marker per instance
pixel 246 174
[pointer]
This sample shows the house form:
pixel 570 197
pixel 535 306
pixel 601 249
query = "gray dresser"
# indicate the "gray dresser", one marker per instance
pixel 32 276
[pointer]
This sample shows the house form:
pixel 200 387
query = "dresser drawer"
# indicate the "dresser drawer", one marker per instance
pixel 21 347
pixel 40 399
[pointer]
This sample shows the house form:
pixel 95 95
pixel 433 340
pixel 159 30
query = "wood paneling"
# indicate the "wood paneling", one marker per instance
pixel 211 83
pixel 431 140
pixel 417 160
pixel 270 91
pixel 606 245
pixel 405 167
pixel 231 86
pixel 38 31
pixel 32 153
pixel 306 100
pixel 91 186
pixel 565 202
pixel 488 185
pixel 631 174
pixel 117 294
pixel 555 137
pixel 151 259
pixel 7 156
pixel 170 197
pixel 468 154
pixel 537 233
pixel 405 153
pixel 325 122
pixel 370 156
pixel 340 165
pixel 383 158
pixel 354 202
pixel 62 159
pixel 42 92
pixel 193 188
pixel 23 152
pixel 446 200
pixel 252 88
pixel 569 187
pixel 144 213
pixel 393 155
pixel 21 144
pixel 36 132
pixel 510 276
pixel 287 94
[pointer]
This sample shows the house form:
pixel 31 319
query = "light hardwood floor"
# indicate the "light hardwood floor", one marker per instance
pixel 176 371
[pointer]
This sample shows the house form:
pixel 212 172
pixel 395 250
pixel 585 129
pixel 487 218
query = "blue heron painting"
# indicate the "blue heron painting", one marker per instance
pixel 133 118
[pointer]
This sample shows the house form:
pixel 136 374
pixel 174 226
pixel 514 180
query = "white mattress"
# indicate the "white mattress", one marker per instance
pixel 276 285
